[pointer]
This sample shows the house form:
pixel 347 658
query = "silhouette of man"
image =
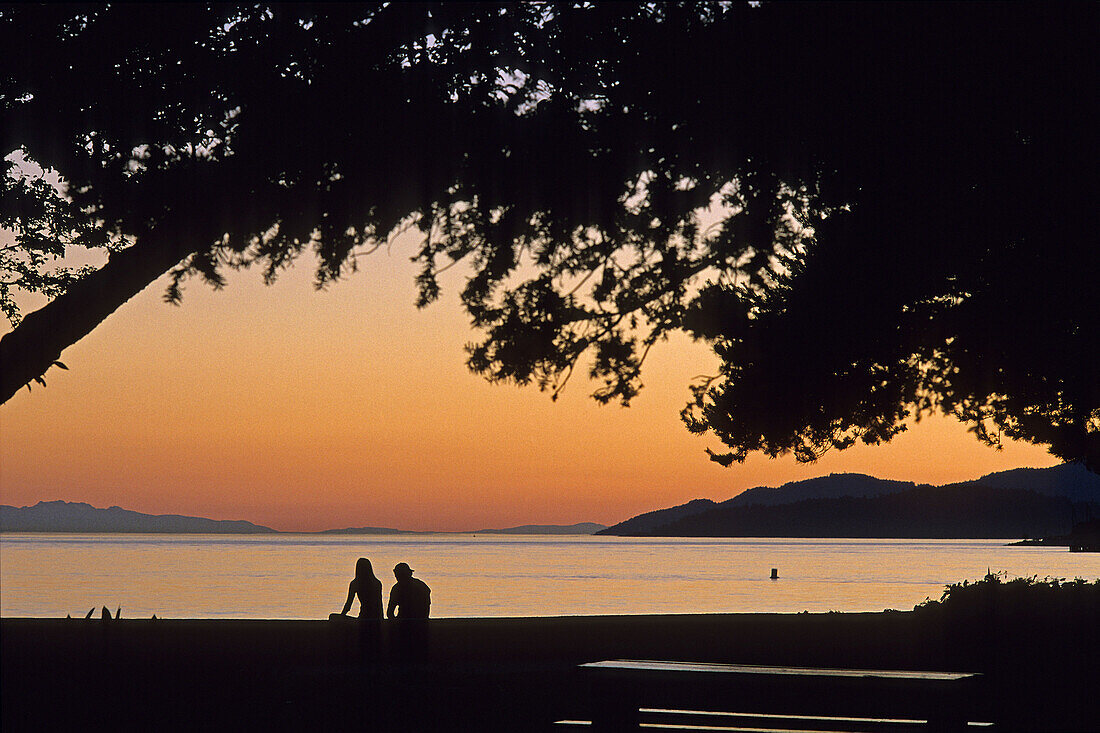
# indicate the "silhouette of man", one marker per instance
pixel 410 598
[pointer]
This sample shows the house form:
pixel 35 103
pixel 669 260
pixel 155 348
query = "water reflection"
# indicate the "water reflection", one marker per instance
pixel 304 576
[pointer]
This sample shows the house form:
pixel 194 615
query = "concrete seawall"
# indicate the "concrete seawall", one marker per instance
pixel 487 674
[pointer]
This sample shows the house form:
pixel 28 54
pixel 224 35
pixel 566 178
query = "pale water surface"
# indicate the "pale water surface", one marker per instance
pixel 306 576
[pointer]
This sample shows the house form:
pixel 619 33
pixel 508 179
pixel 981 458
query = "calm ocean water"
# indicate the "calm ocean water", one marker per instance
pixel 306 576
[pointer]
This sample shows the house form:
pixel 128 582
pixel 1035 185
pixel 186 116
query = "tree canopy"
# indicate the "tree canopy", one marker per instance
pixel 872 212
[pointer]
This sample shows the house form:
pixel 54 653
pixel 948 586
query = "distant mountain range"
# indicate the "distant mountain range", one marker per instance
pixel 1024 502
pixel 579 528
pixel 65 516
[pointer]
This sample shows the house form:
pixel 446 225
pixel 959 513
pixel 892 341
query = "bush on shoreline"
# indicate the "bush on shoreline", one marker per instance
pixel 995 594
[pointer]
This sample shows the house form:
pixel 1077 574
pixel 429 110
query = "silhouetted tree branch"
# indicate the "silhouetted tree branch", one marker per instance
pixel 872 212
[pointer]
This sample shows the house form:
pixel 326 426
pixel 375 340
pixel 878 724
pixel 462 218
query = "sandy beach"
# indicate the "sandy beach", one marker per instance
pixel 497 674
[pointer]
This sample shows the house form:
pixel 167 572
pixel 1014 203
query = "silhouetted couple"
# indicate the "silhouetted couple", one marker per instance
pixel 410 601
pixel 410 598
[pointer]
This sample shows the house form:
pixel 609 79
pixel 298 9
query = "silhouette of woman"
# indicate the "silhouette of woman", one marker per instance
pixel 369 590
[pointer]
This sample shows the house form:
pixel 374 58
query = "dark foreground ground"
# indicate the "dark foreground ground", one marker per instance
pixel 498 674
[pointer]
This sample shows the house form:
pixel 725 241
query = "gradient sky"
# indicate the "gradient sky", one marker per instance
pixel 307 410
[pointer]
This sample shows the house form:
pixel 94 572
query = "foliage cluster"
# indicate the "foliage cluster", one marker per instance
pixel 871 211
pixel 996 594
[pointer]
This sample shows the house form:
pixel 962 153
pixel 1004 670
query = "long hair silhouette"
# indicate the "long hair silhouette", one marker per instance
pixel 364 573
pixel 369 589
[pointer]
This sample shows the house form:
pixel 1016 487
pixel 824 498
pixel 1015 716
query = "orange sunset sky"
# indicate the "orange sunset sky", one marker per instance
pixel 306 410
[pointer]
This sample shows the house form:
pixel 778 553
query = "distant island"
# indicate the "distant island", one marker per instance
pixel 1084 537
pixel 562 529
pixel 1021 503
pixel 68 516
pixel 369 530
pixel 579 528
pixel 72 517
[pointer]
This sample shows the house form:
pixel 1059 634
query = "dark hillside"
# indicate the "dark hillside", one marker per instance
pixel 646 523
pixel 1021 503
pixel 823 487
pixel 953 511
pixel 1071 480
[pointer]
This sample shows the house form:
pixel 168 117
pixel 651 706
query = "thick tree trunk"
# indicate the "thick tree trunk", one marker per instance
pixel 37 342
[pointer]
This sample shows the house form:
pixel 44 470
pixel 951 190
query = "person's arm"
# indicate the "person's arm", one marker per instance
pixel 351 596
pixel 393 602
